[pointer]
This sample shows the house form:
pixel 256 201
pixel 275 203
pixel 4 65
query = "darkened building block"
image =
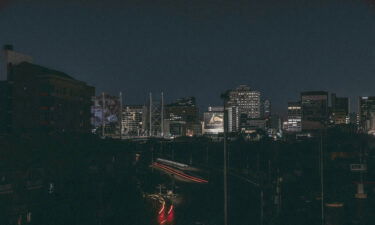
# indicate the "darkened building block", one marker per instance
pixel 183 117
pixel 45 100
pixel 5 104
pixel 314 105
pixel 339 110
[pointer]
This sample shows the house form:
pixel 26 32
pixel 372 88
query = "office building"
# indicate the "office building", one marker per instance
pixel 243 100
pixel 247 101
pixel 314 105
pixel 294 120
pixel 233 120
pixel 367 114
pixel 339 110
pixel 249 125
pixel 183 109
pixel 266 109
pixel 182 117
pixel 133 120
pixel 39 99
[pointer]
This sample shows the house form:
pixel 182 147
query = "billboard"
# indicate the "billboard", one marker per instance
pixel 213 122
pixel 106 110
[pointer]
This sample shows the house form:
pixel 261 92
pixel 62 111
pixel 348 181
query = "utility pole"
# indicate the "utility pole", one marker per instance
pixel 103 108
pixel 120 115
pixel 207 155
pixel 322 176
pixel 261 207
pixel 150 112
pixel 162 115
pixel 224 96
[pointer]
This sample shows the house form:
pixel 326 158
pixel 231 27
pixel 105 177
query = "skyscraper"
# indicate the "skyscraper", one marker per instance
pixel 294 122
pixel 367 114
pixel 314 105
pixel 266 109
pixel 339 110
pixel 247 104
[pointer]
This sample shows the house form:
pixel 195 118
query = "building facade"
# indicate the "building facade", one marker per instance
pixel 133 120
pixel 294 120
pixel 39 99
pixel 314 105
pixel 339 110
pixel 182 117
pixel 243 102
pixel 247 100
pixel 367 114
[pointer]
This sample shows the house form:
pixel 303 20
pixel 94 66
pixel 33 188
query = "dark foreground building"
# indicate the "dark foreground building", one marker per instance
pixel 38 99
pixel 314 105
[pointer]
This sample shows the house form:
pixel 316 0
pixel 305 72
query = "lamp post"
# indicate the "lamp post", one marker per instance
pixel 225 97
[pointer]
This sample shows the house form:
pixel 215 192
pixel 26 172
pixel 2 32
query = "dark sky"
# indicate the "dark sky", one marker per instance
pixel 200 48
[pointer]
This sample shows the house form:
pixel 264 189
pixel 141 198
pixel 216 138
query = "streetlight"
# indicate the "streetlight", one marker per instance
pixel 225 96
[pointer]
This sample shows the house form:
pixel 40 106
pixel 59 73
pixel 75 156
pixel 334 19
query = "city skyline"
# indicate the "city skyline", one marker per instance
pixel 278 52
pixel 181 112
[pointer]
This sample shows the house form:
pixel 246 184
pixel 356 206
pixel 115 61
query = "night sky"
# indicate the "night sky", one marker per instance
pixel 200 48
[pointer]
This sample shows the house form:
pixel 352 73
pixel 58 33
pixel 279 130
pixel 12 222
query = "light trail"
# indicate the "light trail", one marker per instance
pixel 181 174
pixel 162 208
pixel 170 209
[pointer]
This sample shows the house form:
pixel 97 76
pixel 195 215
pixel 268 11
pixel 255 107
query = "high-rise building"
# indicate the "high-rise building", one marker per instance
pixel 367 114
pixel 247 101
pixel 294 122
pixel 233 119
pixel 266 109
pixel 39 99
pixel 339 110
pixel 275 127
pixel 314 105
pixel 243 100
pixel 249 125
pixel 354 119
pixel 183 109
pixel 182 117
pixel 133 120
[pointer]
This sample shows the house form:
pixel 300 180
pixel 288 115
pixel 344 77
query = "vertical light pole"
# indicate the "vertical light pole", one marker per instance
pixel 224 97
pixel 162 115
pixel 103 108
pixel 261 206
pixel 120 96
pixel 150 116
pixel 322 176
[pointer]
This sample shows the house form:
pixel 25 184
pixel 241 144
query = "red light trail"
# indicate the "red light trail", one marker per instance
pixel 181 174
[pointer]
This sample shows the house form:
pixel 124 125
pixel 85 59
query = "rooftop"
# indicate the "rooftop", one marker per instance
pixel 34 69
